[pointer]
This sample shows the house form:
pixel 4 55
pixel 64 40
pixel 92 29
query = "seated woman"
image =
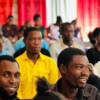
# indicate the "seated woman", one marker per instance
pixel 9 30
pixel 37 19
pixel 54 30
pixel 44 92
pixel 93 54
pixel 3 51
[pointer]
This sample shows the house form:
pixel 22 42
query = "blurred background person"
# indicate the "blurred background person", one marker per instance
pixel 37 19
pixel 10 30
pixel 3 51
pixel 93 54
pixel 54 30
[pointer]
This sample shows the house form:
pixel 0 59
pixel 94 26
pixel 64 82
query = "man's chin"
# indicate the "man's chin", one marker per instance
pixel 5 95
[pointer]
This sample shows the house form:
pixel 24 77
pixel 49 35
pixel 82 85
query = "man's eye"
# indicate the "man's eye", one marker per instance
pixel 6 75
pixel 79 67
pixel 17 76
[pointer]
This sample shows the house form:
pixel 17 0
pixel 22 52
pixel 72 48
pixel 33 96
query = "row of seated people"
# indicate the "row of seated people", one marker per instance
pixel 22 79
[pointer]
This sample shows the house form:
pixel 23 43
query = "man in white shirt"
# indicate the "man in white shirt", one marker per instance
pixel 67 31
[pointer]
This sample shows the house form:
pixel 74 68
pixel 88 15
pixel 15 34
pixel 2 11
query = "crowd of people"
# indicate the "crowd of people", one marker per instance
pixel 51 63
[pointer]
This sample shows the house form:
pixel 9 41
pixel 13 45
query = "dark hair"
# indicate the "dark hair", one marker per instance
pixel 62 26
pixel 96 32
pixel 21 29
pixel 90 36
pixel 7 57
pixel 36 16
pixel 42 87
pixel 74 21
pixel 9 16
pixel 59 19
pixel 94 80
pixel 29 29
pixel 66 56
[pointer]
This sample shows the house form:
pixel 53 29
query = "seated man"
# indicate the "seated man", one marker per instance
pixel 33 64
pixel 3 51
pixel 67 31
pixel 20 44
pixel 9 78
pixel 75 71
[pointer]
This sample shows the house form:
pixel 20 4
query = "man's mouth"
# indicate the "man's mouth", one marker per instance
pixel 83 81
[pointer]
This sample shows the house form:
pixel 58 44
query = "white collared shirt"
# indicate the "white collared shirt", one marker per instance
pixel 57 47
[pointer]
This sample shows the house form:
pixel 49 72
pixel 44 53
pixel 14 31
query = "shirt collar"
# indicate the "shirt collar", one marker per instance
pixel 57 88
pixel 63 45
pixel 26 57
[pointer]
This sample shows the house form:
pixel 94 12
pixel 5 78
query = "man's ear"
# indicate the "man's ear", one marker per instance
pixel 62 68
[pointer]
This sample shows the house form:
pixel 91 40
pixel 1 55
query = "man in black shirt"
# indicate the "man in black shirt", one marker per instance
pixel 74 68
pixel 9 78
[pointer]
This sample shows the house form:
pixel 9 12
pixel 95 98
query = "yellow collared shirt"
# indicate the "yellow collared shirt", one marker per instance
pixel 45 66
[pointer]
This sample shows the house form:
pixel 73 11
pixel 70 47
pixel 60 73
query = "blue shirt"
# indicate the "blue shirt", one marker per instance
pixel 20 44
pixel 5 52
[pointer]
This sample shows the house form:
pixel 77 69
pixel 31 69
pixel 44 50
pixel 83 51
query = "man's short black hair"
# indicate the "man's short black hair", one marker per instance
pixel 9 16
pixel 36 16
pixel 64 24
pixel 74 21
pixel 7 57
pixel 66 56
pixel 29 29
pixel 96 32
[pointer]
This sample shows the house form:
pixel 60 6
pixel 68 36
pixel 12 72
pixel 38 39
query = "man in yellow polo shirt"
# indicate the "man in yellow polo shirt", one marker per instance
pixel 33 64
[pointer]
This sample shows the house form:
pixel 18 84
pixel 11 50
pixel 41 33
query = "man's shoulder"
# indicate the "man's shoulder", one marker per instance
pixel 76 45
pixel 20 58
pixel 46 58
pixel 54 45
pixel 90 89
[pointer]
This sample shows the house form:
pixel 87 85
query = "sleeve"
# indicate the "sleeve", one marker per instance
pixel 53 53
pixel 53 77
pixel 45 45
pixel 10 47
pixel 16 47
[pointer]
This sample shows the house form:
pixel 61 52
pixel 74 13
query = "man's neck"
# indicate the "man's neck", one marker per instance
pixel 68 42
pixel 68 91
pixel 33 57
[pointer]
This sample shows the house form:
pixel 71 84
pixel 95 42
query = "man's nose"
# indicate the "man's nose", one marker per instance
pixel 12 80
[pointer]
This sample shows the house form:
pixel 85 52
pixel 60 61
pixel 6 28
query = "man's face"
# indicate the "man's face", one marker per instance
pixel 10 20
pixel 33 42
pixel 9 77
pixel 97 38
pixel 1 44
pixel 77 72
pixel 68 32
pixel 38 21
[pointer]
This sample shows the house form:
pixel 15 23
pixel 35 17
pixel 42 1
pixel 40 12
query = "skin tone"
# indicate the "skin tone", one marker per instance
pixel 1 44
pixel 97 38
pixel 8 26
pixel 33 45
pixel 38 25
pixel 9 76
pixel 67 34
pixel 74 75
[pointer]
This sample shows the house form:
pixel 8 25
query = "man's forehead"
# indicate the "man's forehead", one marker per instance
pixel 68 26
pixel 8 65
pixel 80 59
